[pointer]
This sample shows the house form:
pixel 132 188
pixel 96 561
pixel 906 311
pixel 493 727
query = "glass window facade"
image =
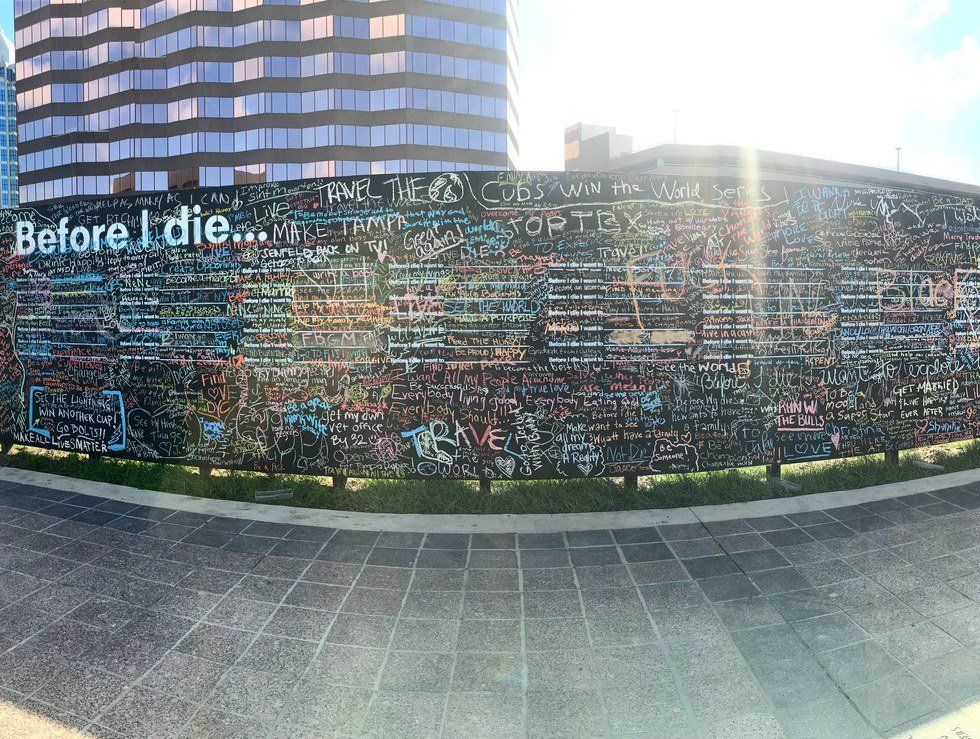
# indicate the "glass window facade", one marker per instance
pixel 149 95
pixel 9 195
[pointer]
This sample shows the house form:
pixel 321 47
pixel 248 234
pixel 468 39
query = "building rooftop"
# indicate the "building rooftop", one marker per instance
pixel 602 149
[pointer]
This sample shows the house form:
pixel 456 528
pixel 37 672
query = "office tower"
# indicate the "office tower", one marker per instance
pixel 146 95
pixel 8 127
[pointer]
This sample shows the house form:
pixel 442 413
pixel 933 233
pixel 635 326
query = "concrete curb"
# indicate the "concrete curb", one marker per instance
pixel 521 524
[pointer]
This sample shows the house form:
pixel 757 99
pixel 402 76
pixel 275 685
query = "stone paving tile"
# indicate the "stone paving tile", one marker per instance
pixel 748 613
pixel 791 682
pixel 832 631
pixel 185 676
pixel 827 572
pixel 859 663
pixel 553 634
pixel 894 700
pixel 885 615
pixel 484 715
pixel 963 625
pixel 916 644
pixel 405 714
pixel 659 596
pixel 765 644
pixel 779 580
pixel 254 693
pixel 499 635
pixel 83 690
pixel 759 559
pixel 410 671
pixel 278 654
pixel 296 623
pixel 695 548
pixel 488 672
pixel 716 566
pixel 144 712
pixel 834 716
pixel 955 675
pixel 321 707
pixel 673 532
pixel 769 523
pixel 216 643
pixel 209 723
pixel 728 587
pixel 651 572
pixel 240 613
pixel 361 631
pixel 603 576
pixel 633 712
pixel 150 622
pixel 935 600
pixel 568 713
pixel 716 699
pixel 343 664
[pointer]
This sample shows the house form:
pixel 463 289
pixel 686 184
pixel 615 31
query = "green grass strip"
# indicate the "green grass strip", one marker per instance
pixel 537 496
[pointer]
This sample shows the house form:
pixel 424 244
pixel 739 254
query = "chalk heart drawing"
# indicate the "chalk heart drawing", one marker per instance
pixel 506 465
pixel 492 325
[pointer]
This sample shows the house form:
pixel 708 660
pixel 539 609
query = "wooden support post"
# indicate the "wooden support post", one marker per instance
pixel 5 447
pixel 205 471
pixel 774 471
pixel 339 483
pixel 891 456
pixel 486 486
pixel 631 484
pixel 94 456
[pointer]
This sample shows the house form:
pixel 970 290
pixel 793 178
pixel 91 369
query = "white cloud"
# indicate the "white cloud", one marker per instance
pixel 929 12
pixel 832 79
pixel 948 83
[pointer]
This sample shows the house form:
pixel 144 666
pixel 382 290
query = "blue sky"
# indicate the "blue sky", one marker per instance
pixel 7 18
pixel 842 79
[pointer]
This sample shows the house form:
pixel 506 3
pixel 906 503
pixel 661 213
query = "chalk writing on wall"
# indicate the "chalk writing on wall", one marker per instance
pixel 499 325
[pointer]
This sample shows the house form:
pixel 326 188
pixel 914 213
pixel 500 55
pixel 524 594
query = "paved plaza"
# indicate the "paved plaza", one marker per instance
pixel 125 620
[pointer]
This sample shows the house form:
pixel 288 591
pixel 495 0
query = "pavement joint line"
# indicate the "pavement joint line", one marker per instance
pixel 696 722
pixel 519 553
pixel 491 523
pixel 376 688
pixel 258 633
pixel 139 681
pixel 599 690
pixel 461 614
pixel 323 639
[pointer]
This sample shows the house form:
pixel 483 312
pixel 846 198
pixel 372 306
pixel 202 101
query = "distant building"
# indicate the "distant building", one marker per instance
pixel 8 128
pixel 588 148
pixel 601 149
pixel 140 95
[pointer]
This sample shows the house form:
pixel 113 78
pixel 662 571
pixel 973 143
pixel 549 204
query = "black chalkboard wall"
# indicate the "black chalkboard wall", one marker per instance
pixel 499 325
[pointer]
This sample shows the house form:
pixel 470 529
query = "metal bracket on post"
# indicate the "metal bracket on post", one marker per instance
pixel 891 456
pixel 774 475
pixel 339 483
pixel 486 486
pixel 205 471
pixel 631 484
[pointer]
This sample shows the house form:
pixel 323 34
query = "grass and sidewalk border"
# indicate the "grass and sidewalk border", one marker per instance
pixel 484 523
pixel 506 497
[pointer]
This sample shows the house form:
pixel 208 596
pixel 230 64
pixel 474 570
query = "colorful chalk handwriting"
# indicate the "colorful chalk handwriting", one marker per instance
pixel 493 325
